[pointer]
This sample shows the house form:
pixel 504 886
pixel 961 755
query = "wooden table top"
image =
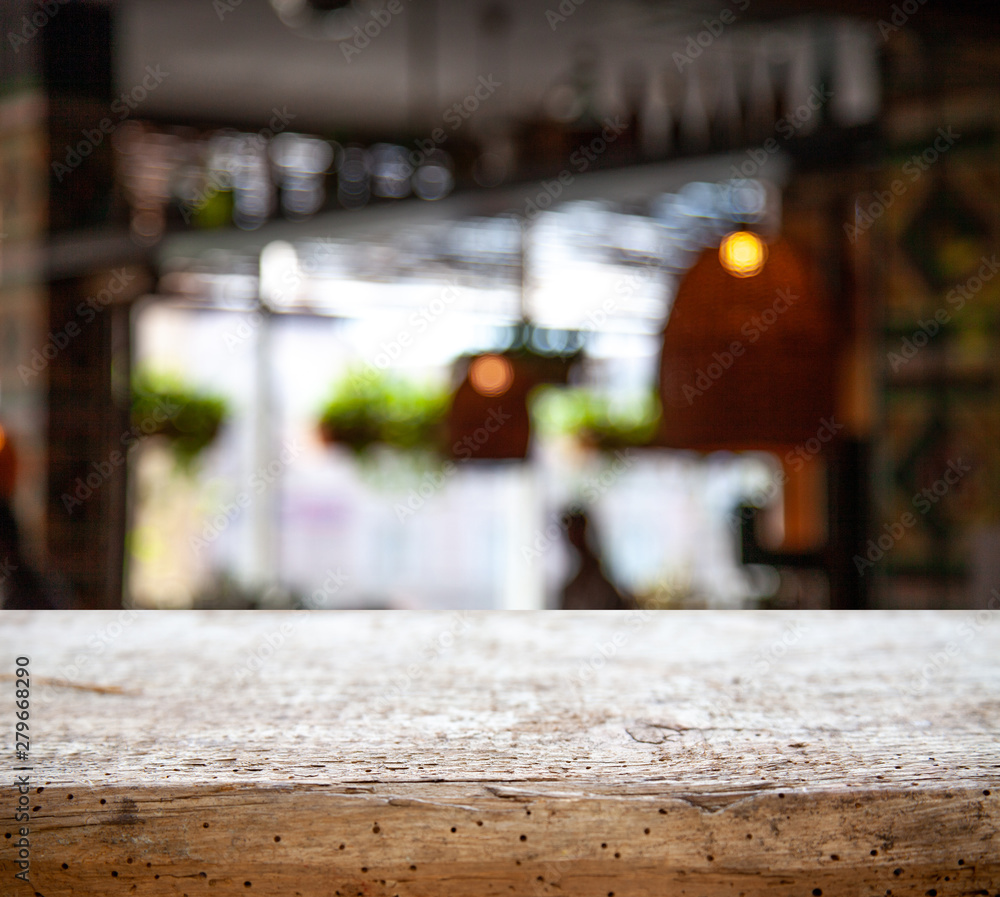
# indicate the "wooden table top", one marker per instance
pixel 425 754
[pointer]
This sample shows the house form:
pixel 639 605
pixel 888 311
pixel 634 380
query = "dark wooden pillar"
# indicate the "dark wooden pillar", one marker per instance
pixel 89 431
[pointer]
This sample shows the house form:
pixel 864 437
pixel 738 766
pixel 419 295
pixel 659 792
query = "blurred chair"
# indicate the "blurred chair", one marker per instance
pixel 589 589
pixel 21 586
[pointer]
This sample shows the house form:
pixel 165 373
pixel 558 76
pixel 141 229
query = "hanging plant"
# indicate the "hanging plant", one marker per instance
pixel 162 405
pixel 596 419
pixel 368 408
pixel 489 419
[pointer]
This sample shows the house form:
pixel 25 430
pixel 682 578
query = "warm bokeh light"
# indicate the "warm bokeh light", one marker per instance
pixel 491 375
pixel 8 466
pixel 742 253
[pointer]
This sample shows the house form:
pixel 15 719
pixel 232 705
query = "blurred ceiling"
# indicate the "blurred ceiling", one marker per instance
pixel 235 60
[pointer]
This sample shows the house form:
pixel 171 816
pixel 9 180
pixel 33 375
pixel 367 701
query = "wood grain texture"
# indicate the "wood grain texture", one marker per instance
pixel 436 754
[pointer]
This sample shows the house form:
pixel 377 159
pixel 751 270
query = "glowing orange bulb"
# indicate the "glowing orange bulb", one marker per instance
pixel 742 253
pixel 491 375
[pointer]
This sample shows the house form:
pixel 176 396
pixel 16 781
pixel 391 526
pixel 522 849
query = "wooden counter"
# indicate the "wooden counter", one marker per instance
pixel 436 754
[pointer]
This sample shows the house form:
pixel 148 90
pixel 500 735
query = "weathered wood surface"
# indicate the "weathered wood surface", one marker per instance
pixel 428 755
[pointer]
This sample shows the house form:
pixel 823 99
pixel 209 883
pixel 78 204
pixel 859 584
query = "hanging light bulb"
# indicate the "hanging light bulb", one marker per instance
pixel 491 375
pixel 742 253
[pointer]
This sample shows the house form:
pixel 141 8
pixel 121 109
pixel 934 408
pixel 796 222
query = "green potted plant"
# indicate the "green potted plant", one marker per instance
pixel 596 419
pixel 369 408
pixel 163 405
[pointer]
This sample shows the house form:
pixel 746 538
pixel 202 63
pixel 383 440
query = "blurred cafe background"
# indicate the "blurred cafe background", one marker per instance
pixel 507 304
